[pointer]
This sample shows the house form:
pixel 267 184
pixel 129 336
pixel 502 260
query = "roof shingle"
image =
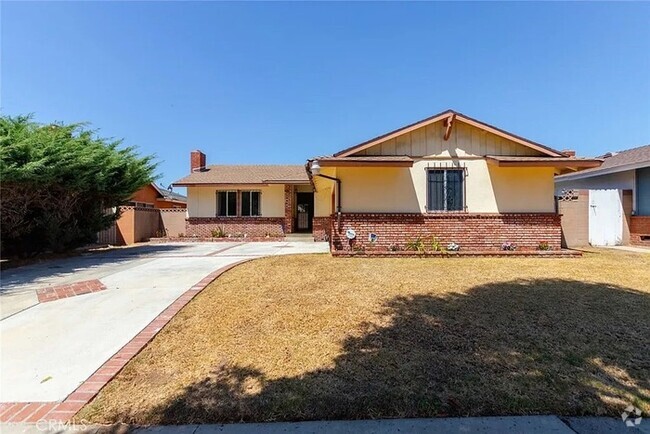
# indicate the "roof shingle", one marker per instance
pixel 620 160
pixel 247 174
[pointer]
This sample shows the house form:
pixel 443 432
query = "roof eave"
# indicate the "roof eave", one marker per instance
pixel 219 184
pixel 163 199
pixel 551 162
pixel 603 171
pixel 287 181
pixel 343 163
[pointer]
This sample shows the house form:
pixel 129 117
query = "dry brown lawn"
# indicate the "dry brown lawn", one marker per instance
pixel 316 337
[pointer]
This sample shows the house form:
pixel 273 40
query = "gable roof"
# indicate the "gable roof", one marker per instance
pixel 629 159
pixel 246 174
pixel 167 195
pixel 457 117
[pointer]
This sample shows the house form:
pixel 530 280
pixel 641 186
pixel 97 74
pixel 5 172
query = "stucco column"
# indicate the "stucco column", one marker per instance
pixel 288 208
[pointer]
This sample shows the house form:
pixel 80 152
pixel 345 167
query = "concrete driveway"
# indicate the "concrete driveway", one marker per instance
pixel 48 349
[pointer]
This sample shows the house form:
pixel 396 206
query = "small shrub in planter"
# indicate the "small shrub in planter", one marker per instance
pixel 543 245
pixel 436 245
pixel 416 245
pixel 219 232
pixel 359 248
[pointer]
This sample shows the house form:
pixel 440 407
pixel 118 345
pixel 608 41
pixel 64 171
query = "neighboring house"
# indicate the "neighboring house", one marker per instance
pixel 152 211
pixel 448 176
pixel 611 203
pixel 154 196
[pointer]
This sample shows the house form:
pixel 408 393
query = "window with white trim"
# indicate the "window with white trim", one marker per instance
pixel 446 189
pixel 226 203
pixel 250 204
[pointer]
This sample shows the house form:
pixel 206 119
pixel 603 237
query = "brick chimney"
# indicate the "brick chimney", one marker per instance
pixel 197 161
pixel 569 152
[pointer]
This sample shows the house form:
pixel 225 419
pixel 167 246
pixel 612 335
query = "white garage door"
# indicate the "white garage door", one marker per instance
pixel 605 218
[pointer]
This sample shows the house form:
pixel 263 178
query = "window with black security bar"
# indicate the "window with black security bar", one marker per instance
pixel 446 189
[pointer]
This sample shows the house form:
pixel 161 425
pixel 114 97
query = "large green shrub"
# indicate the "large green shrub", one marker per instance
pixel 57 183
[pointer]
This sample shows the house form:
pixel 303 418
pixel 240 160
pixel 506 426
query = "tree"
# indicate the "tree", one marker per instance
pixel 58 181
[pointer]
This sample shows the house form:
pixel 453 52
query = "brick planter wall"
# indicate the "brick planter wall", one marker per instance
pixel 257 227
pixel 639 226
pixel 479 232
pixel 321 228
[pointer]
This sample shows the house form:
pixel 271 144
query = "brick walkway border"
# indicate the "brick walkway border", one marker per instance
pixel 70 290
pixel 16 412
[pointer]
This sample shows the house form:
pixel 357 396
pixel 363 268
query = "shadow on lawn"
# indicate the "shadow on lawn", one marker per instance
pixel 544 346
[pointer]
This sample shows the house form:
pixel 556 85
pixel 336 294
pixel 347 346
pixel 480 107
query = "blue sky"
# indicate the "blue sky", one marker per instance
pixel 282 82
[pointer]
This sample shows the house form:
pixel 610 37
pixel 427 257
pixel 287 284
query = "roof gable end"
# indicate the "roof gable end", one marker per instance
pixel 450 116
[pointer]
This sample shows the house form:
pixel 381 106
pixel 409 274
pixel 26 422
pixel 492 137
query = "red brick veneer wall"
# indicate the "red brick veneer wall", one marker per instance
pixel 250 226
pixel 288 208
pixel 321 228
pixel 639 226
pixel 470 231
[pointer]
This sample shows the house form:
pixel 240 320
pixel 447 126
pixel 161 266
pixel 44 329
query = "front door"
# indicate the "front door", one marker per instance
pixel 304 211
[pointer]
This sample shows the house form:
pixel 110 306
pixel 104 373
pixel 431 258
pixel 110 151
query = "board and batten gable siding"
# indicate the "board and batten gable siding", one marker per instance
pixel 465 140
pixel 202 200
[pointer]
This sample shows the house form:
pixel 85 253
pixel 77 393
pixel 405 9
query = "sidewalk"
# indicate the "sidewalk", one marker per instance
pixel 634 249
pixel 469 425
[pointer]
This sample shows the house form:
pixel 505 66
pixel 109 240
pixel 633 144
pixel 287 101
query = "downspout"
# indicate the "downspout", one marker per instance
pixel 338 191
pixel 311 174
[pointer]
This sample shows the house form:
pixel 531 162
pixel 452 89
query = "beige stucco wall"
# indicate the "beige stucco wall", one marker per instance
pixel 489 189
pixel 323 200
pixel 202 201
pixel 518 189
pixel 365 189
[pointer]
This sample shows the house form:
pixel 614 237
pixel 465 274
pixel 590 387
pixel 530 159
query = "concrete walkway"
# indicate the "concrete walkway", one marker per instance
pixel 468 425
pixel 48 349
pixel 635 249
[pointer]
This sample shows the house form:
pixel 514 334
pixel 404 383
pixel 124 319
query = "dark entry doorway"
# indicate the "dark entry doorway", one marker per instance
pixel 304 211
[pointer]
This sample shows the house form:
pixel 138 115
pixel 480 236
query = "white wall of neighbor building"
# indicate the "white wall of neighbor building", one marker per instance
pixel 202 201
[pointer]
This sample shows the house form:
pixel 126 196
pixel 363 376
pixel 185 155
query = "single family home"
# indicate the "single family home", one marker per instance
pixel 610 204
pixel 448 176
pixel 154 196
